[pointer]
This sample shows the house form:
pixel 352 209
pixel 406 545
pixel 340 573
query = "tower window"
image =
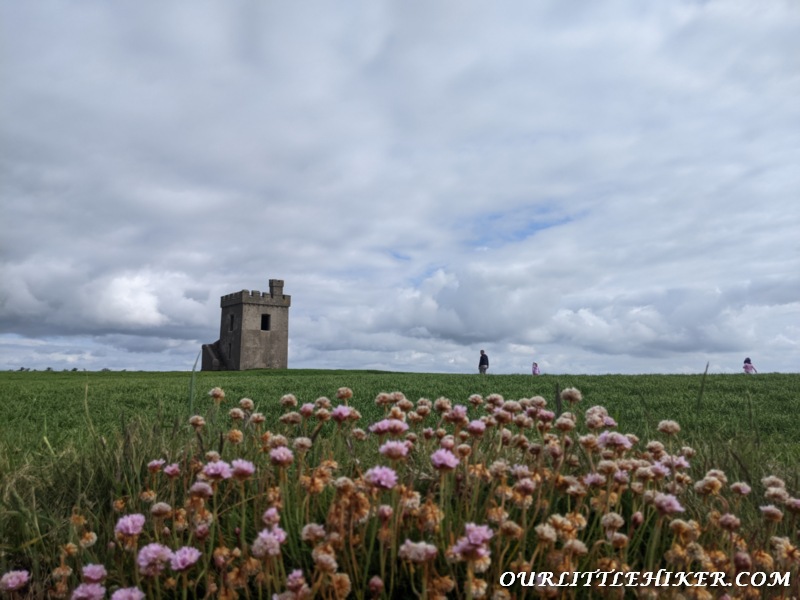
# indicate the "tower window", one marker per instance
pixel 230 324
pixel 264 322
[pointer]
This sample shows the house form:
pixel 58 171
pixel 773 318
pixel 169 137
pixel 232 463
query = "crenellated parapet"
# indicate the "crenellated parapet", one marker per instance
pixel 275 297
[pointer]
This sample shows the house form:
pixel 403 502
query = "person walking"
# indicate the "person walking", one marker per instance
pixel 535 369
pixel 483 363
pixel 748 367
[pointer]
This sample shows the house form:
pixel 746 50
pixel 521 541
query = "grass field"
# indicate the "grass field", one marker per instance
pixel 80 443
pixel 48 412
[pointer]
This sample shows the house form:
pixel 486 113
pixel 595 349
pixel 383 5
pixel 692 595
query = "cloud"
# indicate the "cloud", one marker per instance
pixel 607 187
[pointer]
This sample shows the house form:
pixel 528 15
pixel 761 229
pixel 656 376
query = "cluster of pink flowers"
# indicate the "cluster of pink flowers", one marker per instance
pixel 14 580
pixel 281 456
pixel 475 543
pixel 130 525
pixel 242 469
pixel 381 477
pixel 152 558
pixel 217 470
pixel 389 426
pixel 394 450
pixel 268 542
pixel 184 558
pixel 444 460
pixel 341 413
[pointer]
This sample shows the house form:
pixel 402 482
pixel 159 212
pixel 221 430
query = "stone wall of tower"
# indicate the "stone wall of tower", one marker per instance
pixel 254 331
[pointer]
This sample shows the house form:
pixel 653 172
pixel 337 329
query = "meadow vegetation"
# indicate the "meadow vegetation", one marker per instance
pixel 371 484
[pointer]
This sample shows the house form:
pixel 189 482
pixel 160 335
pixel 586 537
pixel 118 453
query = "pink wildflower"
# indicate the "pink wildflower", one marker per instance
pixel 271 517
pixel 307 409
pixel 281 456
pixel 394 450
pixel 89 591
pixel 545 416
pixel 296 584
pixel 201 489
pixel 614 440
pixel 444 459
pixel 667 504
pixel 475 544
pixel 217 470
pixel 184 557
pixel 94 573
pixel 154 466
pixel 674 462
pixel 381 477
pixel 476 428
pixel 130 525
pixel 659 470
pixel 152 557
pixel 128 594
pixel 417 552
pixel 740 488
pixel 14 580
pixel 242 469
pixel 341 413
pixel 172 470
pixel 594 479
pixel 392 426
pixel 457 414
pixel 268 542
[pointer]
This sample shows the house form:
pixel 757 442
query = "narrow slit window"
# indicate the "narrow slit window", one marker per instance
pixel 230 324
pixel 264 322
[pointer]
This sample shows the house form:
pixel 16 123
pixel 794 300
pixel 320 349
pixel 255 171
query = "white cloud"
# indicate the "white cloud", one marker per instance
pixel 609 188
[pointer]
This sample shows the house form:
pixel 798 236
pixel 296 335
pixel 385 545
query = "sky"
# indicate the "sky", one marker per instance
pixel 601 187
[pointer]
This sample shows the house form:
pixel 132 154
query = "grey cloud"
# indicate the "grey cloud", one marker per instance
pixel 593 184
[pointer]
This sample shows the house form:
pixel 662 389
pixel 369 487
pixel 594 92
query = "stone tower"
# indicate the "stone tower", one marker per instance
pixel 254 332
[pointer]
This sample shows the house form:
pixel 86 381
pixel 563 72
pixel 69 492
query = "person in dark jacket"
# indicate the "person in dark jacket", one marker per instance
pixel 483 363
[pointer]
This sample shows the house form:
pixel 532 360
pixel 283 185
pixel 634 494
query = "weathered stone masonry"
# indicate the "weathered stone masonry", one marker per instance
pixel 253 333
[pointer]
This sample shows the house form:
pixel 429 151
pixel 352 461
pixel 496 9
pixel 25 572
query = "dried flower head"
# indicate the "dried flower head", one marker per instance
pixel 669 427
pixel 288 400
pixel 740 488
pixel 771 513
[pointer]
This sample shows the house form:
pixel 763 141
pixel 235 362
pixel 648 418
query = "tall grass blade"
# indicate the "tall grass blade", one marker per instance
pixel 191 385
pixel 86 410
pixel 702 387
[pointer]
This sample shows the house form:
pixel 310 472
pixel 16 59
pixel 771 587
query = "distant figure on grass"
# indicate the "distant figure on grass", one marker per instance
pixel 535 369
pixel 483 363
pixel 748 367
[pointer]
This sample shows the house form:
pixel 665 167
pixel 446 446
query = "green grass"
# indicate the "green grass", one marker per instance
pixel 72 439
pixel 45 413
